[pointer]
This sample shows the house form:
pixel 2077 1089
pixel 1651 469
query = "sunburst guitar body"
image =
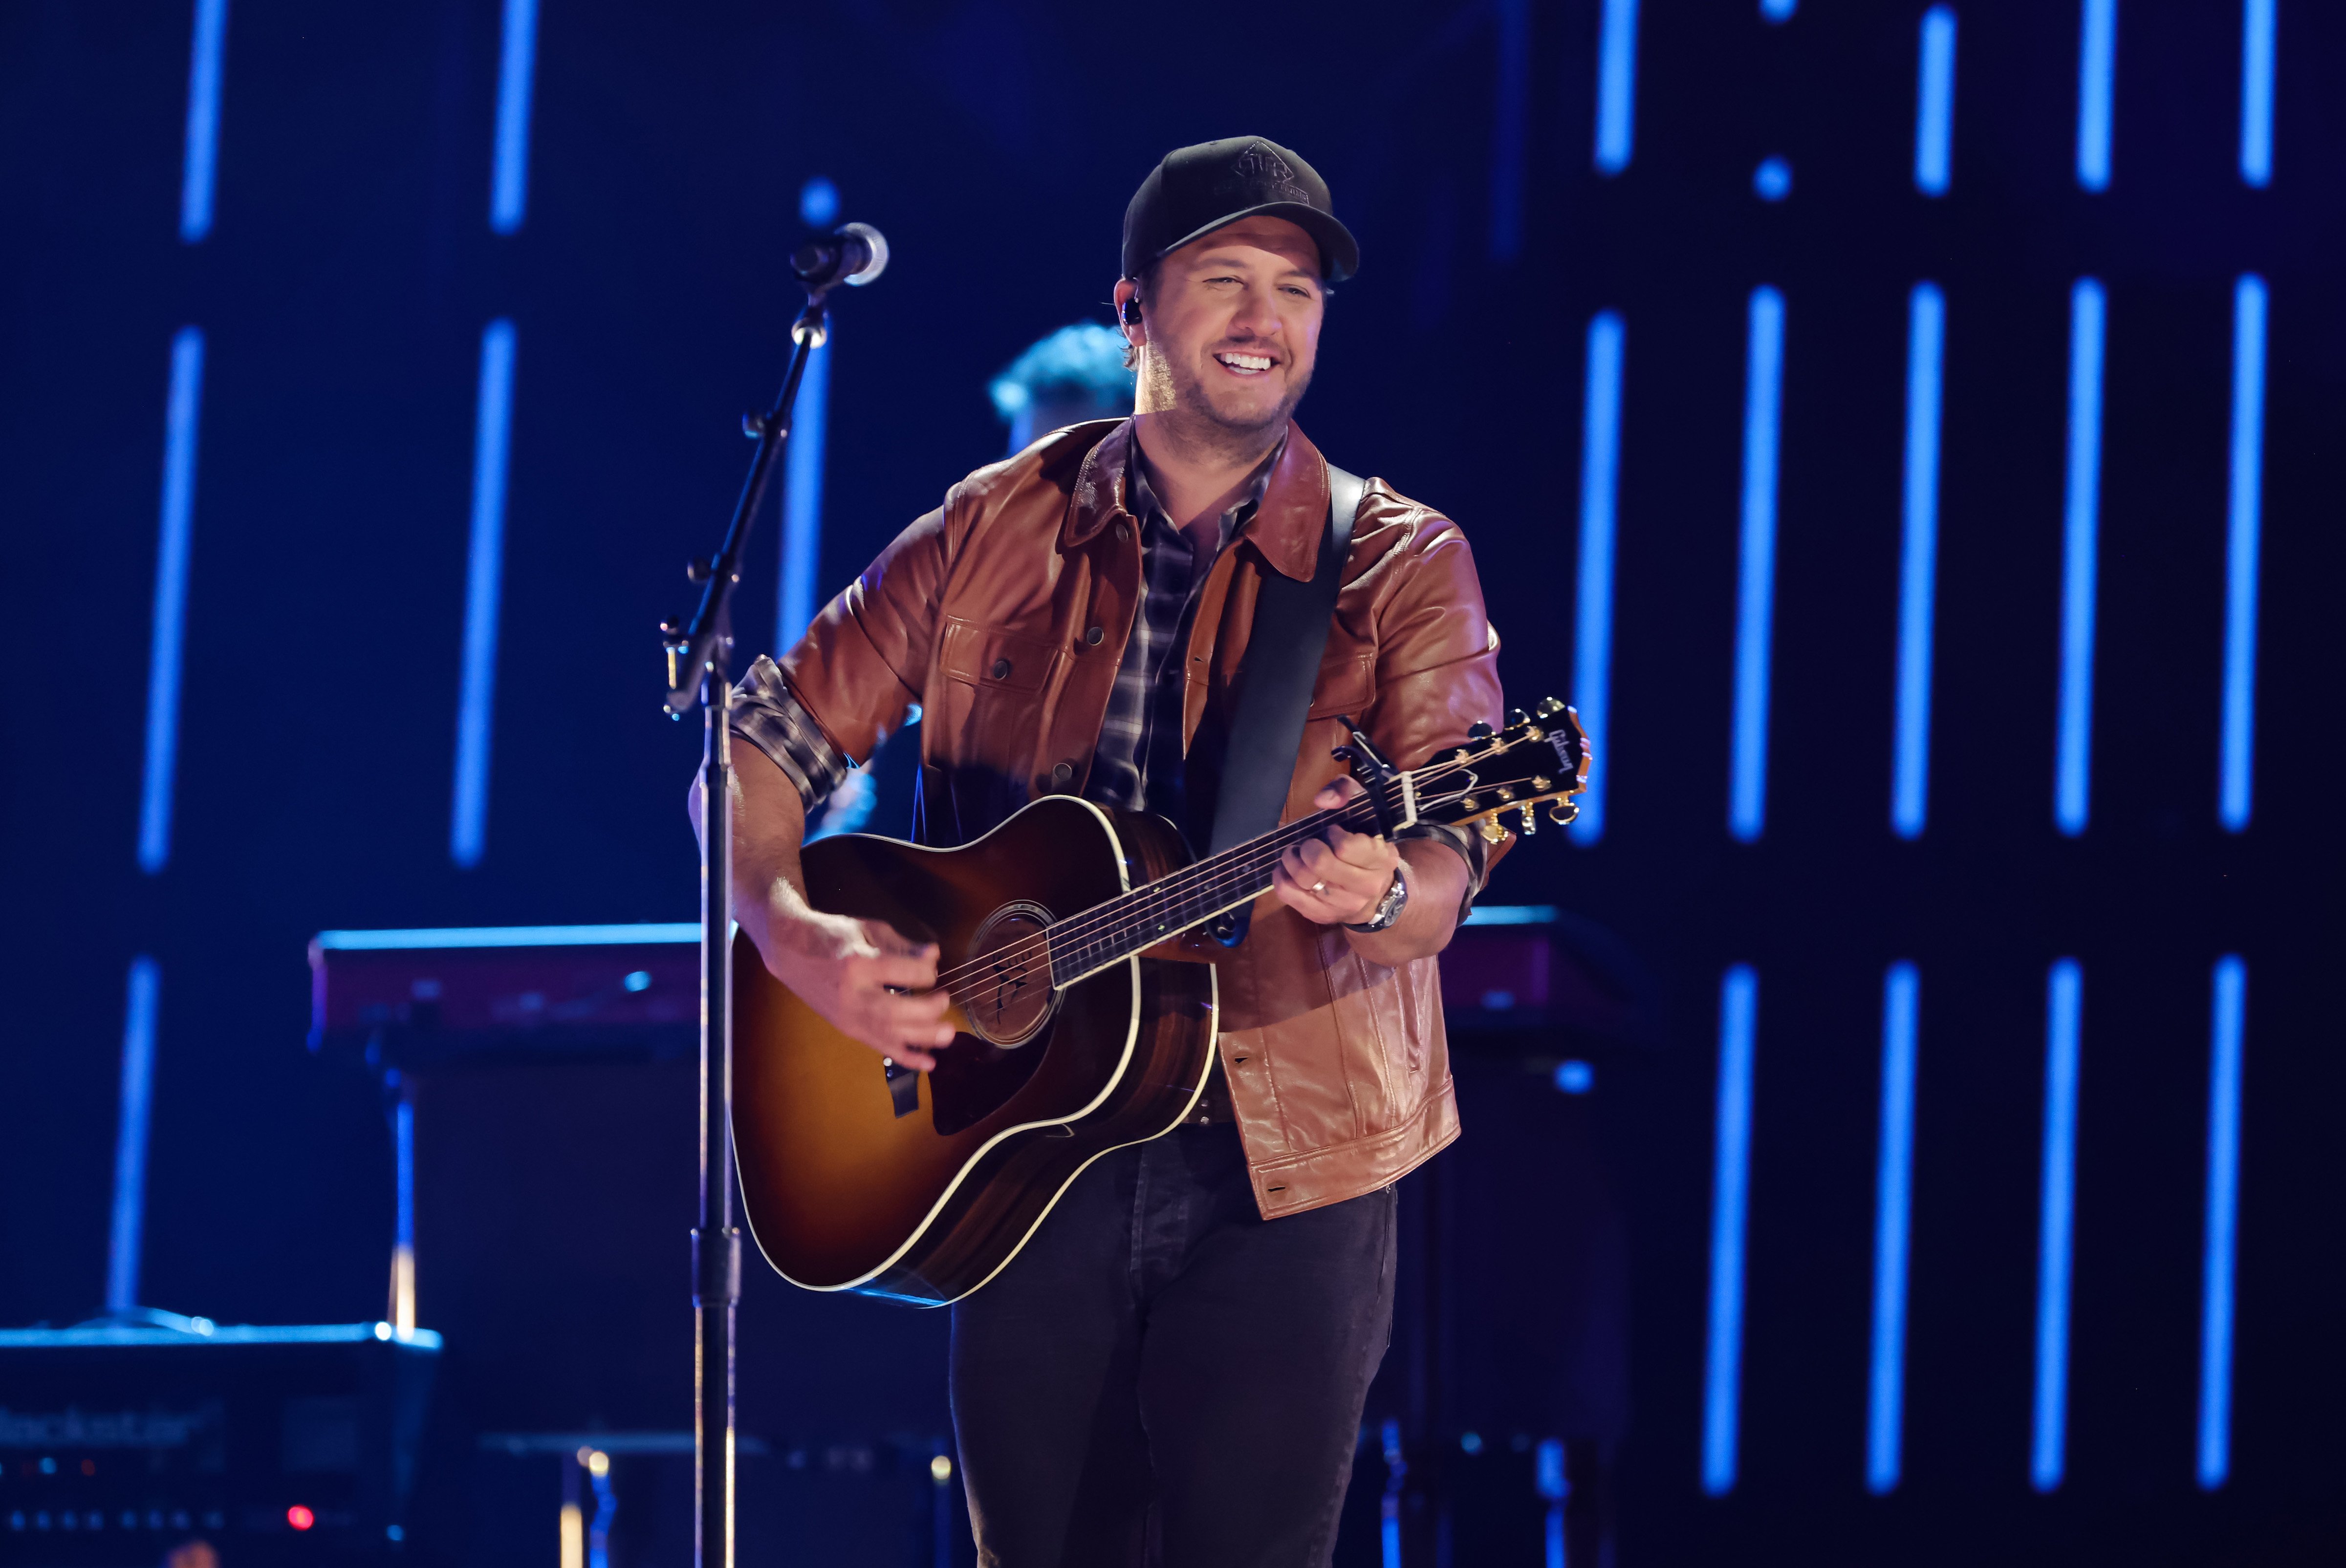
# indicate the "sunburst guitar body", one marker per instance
pixel 860 1176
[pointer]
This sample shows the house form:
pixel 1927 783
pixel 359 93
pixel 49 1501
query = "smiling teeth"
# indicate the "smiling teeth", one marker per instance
pixel 1246 361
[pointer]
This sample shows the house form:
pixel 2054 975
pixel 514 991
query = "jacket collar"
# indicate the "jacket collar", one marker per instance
pixel 1294 512
pixel 1286 528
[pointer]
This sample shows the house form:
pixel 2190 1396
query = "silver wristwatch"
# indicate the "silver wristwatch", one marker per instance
pixel 1387 908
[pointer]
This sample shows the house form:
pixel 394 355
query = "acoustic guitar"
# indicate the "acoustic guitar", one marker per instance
pixel 1072 1039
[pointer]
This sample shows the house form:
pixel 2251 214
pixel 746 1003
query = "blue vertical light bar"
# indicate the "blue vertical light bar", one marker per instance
pixel 130 1135
pixel 2097 68
pixel 2243 529
pixel 483 581
pixel 1935 103
pixel 207 54
pixel 802 501
pixel 2225 1038
pixel 403 1240
pixel 2256 22
pixel 516 76
pixel 1510 126
pixel 2080 553
pixel 182 417
pixel 1918 566
pixel 2063 1005
pixel 1600 469
pixel 1894 1183
pixel 1616 83
pixel 403 1143
pixel 1554 1485
pixel 1778 10
pixel 1755 598
pixel 802 478
pixel 1389 1506
pixel 1722 1375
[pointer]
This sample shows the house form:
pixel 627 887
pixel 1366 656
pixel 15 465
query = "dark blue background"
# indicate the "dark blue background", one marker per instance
pixel 342 292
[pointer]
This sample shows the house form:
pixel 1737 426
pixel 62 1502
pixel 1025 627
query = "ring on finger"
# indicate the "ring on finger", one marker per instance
pixel 1320 890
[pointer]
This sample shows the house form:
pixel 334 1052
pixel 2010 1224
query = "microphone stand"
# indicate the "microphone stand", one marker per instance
pixel 699 659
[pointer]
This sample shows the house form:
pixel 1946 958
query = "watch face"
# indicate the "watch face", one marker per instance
pixel 1389 908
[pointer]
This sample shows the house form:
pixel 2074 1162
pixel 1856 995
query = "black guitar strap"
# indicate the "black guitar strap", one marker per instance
pixel 1283 662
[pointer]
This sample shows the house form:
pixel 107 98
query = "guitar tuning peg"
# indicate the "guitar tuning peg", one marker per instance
pixel 1478 730
pixel 1549 708
pixel 1517 716
pixel 1562 812
pixel 1530 821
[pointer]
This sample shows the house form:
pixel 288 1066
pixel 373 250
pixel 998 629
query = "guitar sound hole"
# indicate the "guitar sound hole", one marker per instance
pixel 1008 997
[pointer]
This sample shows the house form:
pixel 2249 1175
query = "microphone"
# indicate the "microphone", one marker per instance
pixel 854 254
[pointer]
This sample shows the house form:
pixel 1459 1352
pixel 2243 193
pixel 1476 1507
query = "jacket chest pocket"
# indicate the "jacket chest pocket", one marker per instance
pixel 985 720
pixel 991 660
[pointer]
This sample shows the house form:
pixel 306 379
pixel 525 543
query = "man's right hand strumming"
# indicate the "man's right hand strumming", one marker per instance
pixel 866 980
pixel 861 975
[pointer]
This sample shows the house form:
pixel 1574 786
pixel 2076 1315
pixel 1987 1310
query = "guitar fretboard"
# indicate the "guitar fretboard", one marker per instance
pixel 1109 933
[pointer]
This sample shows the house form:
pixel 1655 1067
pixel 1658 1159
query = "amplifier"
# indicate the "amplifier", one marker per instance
pixel 276 1445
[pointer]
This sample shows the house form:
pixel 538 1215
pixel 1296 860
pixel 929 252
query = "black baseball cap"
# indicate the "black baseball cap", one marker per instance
pixel 1197 190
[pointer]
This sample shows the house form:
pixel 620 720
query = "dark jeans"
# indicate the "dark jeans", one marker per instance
pixel 1163 1377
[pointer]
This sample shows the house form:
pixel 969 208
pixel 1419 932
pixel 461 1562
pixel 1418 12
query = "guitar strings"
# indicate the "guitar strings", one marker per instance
pixel 1236 865
pixel 1206 886
pixel 1212 876
pixel 1245 861
pixel 1137 907
pixel 1082 931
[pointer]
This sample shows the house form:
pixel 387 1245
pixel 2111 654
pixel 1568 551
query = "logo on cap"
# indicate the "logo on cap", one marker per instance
pixel 1265 169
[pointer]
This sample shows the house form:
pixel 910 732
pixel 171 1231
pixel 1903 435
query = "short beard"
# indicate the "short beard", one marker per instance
pixel 1192 416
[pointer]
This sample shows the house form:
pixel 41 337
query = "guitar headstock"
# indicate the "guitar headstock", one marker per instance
pixel 1540 758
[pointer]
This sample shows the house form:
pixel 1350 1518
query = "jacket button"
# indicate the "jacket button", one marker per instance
pixel 1094 635
pixel 1001 668
pixel 1062 772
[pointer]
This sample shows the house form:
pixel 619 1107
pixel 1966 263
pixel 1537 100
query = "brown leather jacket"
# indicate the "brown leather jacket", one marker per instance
pixel 1004 614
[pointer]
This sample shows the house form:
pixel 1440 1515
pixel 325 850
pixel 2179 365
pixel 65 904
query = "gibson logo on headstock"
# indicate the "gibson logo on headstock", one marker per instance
pixel 1534 761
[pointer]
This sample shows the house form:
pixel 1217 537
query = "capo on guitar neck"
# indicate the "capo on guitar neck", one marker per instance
pixel 1372 772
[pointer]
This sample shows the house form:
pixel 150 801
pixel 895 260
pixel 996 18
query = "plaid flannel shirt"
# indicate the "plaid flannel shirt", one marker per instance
pixel 1137 762
pixel 1137 765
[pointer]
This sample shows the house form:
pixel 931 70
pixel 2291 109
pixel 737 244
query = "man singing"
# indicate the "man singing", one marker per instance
pixel 1172 1369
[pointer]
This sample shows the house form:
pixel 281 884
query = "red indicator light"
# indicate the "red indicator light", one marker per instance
pixel 299 1518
